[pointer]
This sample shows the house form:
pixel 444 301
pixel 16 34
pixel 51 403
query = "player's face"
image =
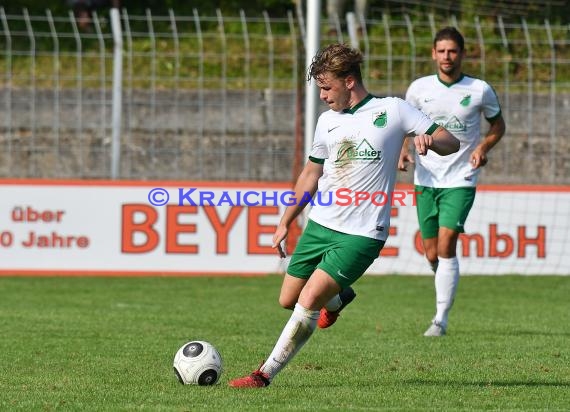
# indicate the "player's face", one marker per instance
pixel 447 56
pixel 334 91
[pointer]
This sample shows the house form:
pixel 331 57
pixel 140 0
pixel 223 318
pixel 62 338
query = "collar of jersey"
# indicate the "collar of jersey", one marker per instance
pixel 450 84
pixel 357 106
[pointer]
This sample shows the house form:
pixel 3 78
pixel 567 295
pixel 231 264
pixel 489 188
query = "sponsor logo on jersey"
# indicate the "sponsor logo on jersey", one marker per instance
pixel 350 151
pixel 380 119
pixel 453 123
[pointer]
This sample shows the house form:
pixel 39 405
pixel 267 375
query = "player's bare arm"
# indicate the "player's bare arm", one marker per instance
pixel 496 131
pixel 307 182
pixel 441 141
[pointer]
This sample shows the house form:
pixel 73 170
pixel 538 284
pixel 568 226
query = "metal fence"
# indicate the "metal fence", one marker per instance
pixel 219 97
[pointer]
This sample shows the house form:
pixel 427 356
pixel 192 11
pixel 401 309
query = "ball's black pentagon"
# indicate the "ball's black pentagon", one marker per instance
pixel 208 377
pixel 178 376
pixel 193 349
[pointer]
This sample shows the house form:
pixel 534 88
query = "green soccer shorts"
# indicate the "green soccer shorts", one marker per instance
pixel 344 257
pixel 448 207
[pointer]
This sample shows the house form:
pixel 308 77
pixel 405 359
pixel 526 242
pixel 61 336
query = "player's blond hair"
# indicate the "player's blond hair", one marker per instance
pixel 338 59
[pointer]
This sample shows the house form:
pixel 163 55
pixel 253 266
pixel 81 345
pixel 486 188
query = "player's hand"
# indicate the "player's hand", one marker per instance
pixel 422 143
pixel 278 237
pixel 405 159
pixel 478 159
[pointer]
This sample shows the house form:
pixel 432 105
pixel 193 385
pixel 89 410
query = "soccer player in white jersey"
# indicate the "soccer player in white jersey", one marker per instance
pixel 447 183
pixel 356 148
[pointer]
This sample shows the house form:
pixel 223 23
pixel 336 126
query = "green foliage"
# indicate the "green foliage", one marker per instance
pixel 161 7
pixel 107 344
pixel 557 11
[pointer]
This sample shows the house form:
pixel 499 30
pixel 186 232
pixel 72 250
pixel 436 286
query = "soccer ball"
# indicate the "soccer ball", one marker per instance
pixel 198 363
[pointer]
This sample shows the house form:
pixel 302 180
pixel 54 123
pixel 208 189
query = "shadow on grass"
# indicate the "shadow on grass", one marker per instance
pixel 483 384
pixel 480 332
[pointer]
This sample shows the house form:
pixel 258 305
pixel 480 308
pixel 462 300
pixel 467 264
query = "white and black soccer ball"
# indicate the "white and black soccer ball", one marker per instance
pixel 198 363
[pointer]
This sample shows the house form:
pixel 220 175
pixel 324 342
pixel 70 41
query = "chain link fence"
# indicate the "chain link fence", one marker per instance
pixel 220 97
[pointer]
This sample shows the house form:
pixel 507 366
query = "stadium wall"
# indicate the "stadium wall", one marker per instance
pixel 106 228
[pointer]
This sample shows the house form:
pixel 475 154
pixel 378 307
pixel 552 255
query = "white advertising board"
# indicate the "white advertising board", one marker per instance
pixel 212 228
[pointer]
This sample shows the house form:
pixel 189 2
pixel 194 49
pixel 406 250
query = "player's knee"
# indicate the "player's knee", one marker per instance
pixel 287 303
pixel 432 256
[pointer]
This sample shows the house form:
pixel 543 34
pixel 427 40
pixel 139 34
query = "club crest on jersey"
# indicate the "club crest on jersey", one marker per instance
pixel 466 100
pixel 380 119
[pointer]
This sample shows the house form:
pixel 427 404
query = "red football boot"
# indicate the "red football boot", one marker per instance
pixel 327 318
pixel 257 379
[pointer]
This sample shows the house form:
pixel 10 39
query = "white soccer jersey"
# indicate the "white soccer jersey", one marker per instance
pixel 360 148
pixel 457 107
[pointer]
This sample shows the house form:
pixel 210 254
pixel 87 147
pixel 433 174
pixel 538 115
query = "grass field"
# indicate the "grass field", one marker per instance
pixel 107 344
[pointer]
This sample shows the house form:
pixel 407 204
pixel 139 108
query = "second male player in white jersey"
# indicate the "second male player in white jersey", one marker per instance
pixel 447 183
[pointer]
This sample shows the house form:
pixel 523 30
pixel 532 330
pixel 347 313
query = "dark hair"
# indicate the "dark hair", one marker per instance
pixel 450 33
pixel 338 59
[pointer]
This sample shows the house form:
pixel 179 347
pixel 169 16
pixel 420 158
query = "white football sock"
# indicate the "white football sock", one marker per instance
pixel 446 280
pixel 334 304
pixel 295 334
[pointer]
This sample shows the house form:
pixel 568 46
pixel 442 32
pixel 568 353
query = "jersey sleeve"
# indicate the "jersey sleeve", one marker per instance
pixel 490 105
pixel 414 121
pixel 319 150
pixel 411 95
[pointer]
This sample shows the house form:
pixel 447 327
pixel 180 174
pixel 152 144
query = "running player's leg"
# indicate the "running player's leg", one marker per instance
pixel 331 311
pixel 427 211
pixel 454 207
pixel 319 289
pixel 346 261
pixel 446 277
pixel 430 251
pixel 290 291
pixel 428 218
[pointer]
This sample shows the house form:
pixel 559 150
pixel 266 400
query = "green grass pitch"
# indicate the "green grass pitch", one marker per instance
pixel 107 344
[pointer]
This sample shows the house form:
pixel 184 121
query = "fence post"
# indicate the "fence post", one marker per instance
pixel 530 97
pixel 351 27
pixel 33 116
pixel 79 88
pixel 506 92
pixel 56 88
pixel 8 109
pixel 153 65
pixel 103 125
pixel 389 57
pixel 127 164
pixel 201 98
pixel 247 84
pixel 311 92
pixel 552 111
pixel 176 40
pixel 412 47
pixel 270 89
pixel 117 91
pixel 223 86
pixel 481 45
